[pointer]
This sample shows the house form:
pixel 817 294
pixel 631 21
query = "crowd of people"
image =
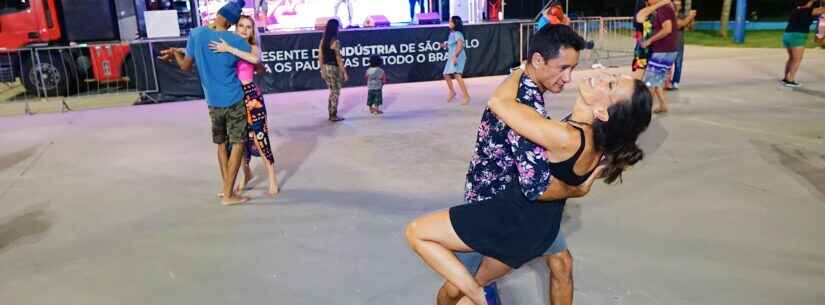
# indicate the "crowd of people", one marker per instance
pixel 659 52
pixel 524 165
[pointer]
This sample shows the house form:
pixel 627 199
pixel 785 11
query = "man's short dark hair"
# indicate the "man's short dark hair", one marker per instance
pixel 551 38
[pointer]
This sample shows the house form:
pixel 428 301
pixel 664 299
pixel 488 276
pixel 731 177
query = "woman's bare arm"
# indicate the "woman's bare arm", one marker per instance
pixel 221 46
pixel 321 54
pixel 528 123
pixel 341 67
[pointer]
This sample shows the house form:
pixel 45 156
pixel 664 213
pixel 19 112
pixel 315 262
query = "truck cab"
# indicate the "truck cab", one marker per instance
pixel 58 47
pixel 28 22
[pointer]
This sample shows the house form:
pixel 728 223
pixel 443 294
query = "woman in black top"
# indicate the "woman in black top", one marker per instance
pixel 333 70
pixel 509 229
pixel 795 37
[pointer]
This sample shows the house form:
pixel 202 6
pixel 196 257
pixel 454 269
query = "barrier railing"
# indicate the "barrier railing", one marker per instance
pixel 612 39
pixel 46 79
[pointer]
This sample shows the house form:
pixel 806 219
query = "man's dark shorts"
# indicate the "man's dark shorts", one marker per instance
pixel 228 123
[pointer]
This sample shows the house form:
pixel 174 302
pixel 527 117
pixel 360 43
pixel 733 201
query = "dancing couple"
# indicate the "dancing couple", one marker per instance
pixel 526 165
pixel 226 63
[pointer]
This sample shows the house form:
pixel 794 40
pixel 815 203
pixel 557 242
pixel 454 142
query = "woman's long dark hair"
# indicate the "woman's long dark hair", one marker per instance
pixel 458 24
pixel 330 33
pixel 617 137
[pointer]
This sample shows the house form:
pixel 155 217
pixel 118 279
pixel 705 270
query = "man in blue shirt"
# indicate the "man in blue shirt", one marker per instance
pixel 222 89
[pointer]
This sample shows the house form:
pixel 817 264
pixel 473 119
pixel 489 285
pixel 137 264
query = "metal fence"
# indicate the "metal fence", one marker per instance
pixel 47 79
pixel 612 39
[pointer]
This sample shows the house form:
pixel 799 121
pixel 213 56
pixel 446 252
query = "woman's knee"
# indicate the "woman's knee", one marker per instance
pixel 451 290
pixel 428 228
pixel 411 232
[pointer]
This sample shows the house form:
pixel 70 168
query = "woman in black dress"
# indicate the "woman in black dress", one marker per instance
pixel 510 230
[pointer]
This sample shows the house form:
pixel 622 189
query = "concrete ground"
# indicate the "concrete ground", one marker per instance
pixel 117 206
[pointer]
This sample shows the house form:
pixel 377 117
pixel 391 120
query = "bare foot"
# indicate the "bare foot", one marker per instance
pixel 273 191
pixel 220 195
pixel 466 100
pixel 234 200
pixel 450 96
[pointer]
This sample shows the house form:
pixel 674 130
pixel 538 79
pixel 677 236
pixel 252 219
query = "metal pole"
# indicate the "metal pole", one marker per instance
pixel 503 4
pixel 741 10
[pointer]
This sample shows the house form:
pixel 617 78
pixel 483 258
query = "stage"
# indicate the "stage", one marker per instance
pixel 118 206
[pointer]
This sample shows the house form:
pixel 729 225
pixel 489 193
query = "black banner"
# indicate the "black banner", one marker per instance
pixel 410 54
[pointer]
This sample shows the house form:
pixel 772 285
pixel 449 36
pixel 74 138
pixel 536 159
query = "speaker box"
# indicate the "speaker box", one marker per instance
pixel 89 20
pixel 376 21
pixel 321 22
pixel 428 18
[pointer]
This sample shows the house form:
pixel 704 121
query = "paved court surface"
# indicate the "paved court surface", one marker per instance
pixel 117 206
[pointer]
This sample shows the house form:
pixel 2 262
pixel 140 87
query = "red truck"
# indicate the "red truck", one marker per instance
pixel 32 33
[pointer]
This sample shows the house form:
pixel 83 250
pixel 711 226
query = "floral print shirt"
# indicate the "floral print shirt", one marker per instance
pixel 502 155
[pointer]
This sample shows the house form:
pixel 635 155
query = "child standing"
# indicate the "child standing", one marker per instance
pixel 376 78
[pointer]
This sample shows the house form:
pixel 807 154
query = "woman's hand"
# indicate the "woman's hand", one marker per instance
pixel 455 60
pixel 220 47
pixel 646 44
pixel 344 76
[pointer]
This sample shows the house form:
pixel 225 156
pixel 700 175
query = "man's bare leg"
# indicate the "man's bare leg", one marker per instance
pixel 489 271
pixel 232 168
pixel 660 104
pixel 223 158
pixel 561 277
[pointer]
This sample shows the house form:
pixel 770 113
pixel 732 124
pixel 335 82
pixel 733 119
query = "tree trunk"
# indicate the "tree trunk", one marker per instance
pixel 723 24
pixel 688 5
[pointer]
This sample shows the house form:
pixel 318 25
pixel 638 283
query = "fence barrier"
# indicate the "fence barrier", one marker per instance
pixel 612 39
pixel 96 75
pixel 46 79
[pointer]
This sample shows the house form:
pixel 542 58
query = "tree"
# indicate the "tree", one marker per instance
pixel 723 24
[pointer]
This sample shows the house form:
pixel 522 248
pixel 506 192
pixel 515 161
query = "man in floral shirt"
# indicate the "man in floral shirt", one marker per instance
pixel 502 155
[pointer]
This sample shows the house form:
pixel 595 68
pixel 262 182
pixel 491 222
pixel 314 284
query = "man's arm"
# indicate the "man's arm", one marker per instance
pixel 643 13
pixel 183 61
pixel 667 27
pixel 683 22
